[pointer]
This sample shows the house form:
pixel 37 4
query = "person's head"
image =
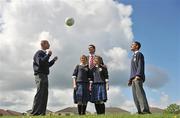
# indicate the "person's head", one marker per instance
pixel 45 44
pixel 83 59
pixel 135 46
pixel 92 49
pixel 97 60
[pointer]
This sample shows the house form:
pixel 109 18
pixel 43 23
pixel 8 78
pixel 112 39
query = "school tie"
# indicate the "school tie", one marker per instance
pixel 91 63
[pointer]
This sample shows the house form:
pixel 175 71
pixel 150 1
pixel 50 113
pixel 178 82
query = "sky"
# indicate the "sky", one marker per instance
pixel 111 26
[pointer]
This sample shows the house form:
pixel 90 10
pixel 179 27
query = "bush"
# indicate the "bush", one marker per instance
pixel 172 109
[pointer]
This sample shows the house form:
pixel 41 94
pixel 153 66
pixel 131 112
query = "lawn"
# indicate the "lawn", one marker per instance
pixel 100 116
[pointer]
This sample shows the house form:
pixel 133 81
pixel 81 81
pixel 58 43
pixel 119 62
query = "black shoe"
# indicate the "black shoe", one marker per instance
pixel 139 113
pixel 147 112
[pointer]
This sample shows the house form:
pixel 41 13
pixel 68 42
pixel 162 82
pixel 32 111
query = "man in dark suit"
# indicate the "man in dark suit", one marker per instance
pixel 137 77
pixel 41 66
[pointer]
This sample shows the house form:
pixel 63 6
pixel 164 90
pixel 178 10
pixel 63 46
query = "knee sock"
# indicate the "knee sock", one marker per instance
pixel 79 109
pixel 97 106
pixel 103 108
pixel 84 109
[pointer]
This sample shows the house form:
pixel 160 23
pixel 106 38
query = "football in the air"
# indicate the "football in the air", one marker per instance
pixel 69 21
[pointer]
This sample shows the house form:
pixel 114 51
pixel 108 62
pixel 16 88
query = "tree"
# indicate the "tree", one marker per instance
pixel 172 109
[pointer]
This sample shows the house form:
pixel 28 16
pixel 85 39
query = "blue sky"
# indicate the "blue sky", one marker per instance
pixel 156 24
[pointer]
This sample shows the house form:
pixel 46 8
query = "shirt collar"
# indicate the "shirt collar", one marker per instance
pixel 136 52
pixel 92 54
pixel 82 64
pixel 44 50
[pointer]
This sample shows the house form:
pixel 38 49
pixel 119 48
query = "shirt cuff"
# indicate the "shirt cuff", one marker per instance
pixel 74 77
pixel 90 82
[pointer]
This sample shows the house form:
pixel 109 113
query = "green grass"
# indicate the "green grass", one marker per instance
pixel 100 116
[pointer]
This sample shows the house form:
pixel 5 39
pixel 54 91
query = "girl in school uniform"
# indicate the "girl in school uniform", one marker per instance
pixel 81 77
pixel 99 86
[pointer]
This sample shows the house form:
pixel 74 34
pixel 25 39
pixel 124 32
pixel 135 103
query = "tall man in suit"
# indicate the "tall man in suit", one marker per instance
pixel 137 77
pixel 90 57
pixel 41 65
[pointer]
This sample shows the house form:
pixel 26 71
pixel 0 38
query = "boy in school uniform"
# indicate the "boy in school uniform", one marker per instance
pixel 99 85
pixel 81 77
pixel 137 78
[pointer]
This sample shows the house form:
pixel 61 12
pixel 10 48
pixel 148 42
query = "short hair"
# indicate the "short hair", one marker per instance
pixel 138 44
pixel 43 42
pixel 91 45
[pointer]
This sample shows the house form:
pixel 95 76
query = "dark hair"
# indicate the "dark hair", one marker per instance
pixel 91 45
pixel 43 42
pixel 138 44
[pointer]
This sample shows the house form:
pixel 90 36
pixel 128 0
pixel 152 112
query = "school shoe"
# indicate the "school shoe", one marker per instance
pixel 147 112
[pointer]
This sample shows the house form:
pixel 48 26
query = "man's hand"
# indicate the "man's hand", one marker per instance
pixel 55 58
pixel 50 52
pixel 130 83
pixel 137 78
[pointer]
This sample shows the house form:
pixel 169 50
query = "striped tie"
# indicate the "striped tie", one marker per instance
pixel 91 63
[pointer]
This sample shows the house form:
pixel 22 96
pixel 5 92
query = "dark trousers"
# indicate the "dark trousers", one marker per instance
pixel 41 97
pixel 140 96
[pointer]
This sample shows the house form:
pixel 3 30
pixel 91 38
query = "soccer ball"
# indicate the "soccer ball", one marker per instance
pixel 69 21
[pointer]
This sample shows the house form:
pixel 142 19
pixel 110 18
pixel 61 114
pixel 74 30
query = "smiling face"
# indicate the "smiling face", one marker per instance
pixel 83 59
pixel 96 61
pixel 91 49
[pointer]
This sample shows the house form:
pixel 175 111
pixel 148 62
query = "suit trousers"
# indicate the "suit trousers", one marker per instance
pixel 41 97
pixel 139 96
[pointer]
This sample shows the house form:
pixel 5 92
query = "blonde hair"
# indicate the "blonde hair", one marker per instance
pixel 98 58
pixel 84 56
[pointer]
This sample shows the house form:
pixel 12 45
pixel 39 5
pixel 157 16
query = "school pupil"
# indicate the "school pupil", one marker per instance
pixel 81 77
pixel 99 85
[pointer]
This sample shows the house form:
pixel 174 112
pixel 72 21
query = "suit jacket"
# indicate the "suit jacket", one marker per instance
pixel 137 66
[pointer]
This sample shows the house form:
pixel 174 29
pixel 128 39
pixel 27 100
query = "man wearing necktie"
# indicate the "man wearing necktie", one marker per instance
pixel 91 56
pixel 41 65
pixel 137 77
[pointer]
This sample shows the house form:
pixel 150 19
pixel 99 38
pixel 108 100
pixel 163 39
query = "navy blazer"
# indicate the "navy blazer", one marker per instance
pixel 137 66
pixel 41 62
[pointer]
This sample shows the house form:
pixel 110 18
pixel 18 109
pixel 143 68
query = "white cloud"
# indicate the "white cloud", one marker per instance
pixel 164 99
pixel 118 59
pixel 156 77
